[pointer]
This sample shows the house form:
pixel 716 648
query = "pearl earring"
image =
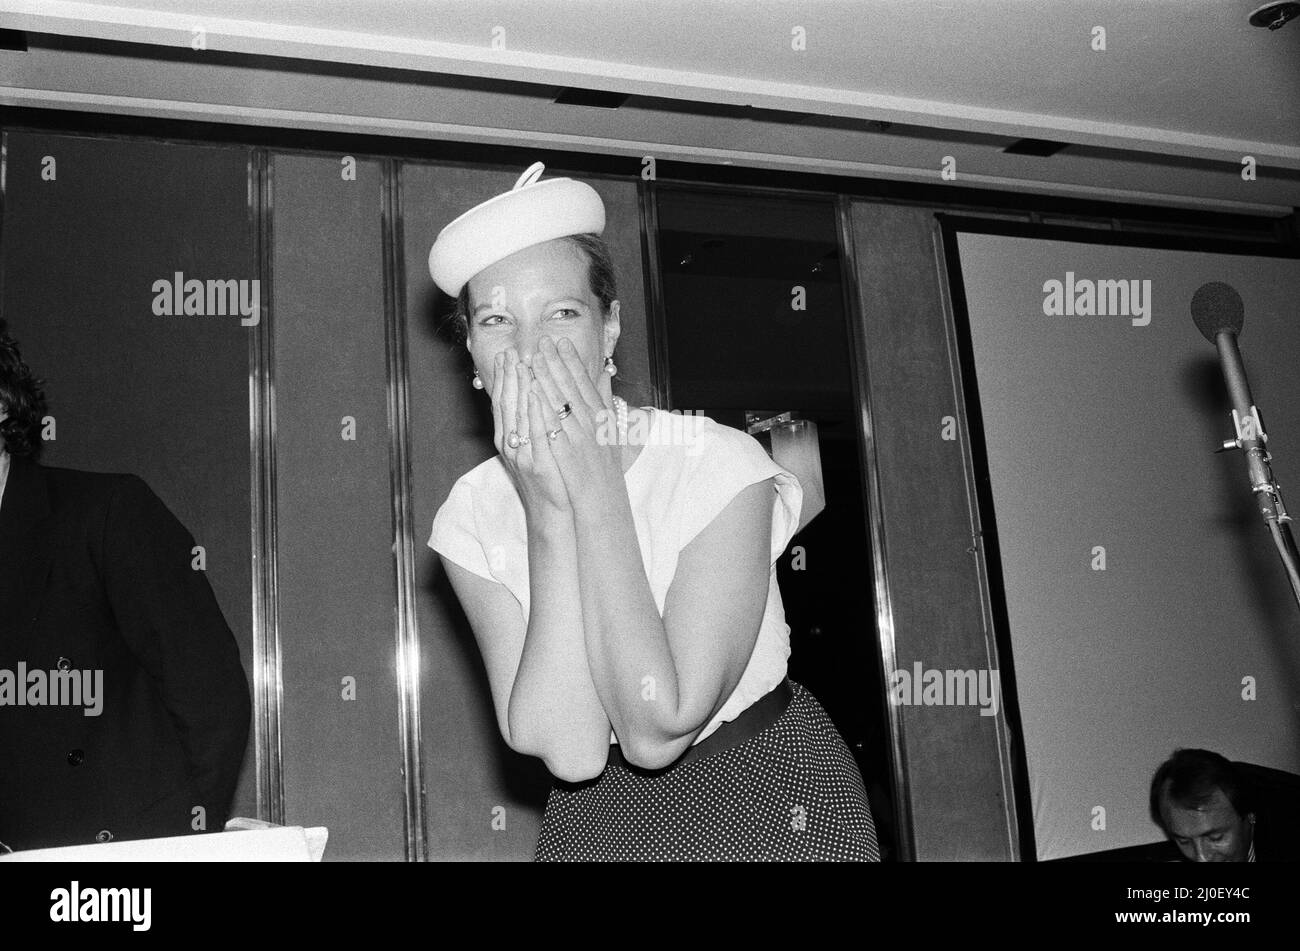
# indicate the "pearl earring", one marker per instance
pixel 610 368
pixel 478 382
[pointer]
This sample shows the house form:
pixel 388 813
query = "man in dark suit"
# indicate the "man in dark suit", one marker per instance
pixel 1215 810
pixel 124 709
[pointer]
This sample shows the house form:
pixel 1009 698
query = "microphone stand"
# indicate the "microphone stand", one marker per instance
pixel 1251 438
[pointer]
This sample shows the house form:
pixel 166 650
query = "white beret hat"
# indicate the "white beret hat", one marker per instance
pixel 528 214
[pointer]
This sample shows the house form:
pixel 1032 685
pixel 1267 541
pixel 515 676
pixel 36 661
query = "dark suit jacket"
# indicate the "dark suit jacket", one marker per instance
pixel 95 574
pixel 1277 812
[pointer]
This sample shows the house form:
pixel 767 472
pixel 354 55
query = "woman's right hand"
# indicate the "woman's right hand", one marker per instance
pixel 531 466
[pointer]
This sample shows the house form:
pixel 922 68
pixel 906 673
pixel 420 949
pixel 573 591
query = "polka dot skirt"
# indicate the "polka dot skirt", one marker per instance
pixel 791 793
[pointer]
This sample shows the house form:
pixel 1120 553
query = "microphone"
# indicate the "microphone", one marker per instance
pixel 1217 307
pixel 1219 315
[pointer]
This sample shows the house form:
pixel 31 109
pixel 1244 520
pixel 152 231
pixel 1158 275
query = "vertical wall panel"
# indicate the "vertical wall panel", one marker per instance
pixel 337 590
pixel 469 770
pixel 163 397
pixel 955 764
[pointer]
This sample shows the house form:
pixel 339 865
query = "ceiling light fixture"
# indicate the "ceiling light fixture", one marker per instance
pixel 1275 15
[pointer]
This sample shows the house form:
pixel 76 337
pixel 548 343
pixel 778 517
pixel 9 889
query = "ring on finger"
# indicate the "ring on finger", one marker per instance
pixel 514 440
pixel 554 434
pixel 565 413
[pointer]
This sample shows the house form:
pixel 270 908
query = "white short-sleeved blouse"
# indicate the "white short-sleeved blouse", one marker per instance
pixel 689 469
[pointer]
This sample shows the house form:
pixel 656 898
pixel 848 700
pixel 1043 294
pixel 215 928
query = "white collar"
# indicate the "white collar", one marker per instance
pixel 4 471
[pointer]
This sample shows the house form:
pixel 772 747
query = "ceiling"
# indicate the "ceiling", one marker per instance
pixel 1182 91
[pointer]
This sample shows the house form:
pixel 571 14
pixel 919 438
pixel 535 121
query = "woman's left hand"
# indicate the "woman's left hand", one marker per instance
pixel 586 450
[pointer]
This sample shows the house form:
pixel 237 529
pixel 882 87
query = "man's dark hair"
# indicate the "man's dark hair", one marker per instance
pixel 1190 778
pixel 21 397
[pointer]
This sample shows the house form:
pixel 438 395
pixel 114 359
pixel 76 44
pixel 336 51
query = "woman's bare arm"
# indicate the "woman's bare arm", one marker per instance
pixel 542 692
pixel 662 679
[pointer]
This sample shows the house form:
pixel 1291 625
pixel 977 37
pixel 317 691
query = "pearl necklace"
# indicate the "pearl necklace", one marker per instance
pixel 620 407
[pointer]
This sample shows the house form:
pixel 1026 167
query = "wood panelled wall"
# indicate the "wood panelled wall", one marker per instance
pixel 336 581
pixel 169 400
pixel 956 767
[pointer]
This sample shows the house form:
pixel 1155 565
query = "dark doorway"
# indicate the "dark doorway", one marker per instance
pixel 753 320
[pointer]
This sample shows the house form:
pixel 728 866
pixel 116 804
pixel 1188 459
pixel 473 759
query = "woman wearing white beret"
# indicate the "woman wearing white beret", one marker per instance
pixel 617 566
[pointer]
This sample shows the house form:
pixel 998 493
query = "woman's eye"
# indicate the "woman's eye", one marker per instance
pixel 565 310
pixel 491 317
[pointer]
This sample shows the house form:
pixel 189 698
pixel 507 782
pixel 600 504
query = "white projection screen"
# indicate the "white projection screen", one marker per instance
pixel 1099 435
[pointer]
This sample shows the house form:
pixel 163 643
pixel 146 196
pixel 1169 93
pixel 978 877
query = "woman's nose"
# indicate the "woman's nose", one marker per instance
pixel 527 347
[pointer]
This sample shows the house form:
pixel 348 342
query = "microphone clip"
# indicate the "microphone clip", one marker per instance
pixel 1248 429
pixel 1252 427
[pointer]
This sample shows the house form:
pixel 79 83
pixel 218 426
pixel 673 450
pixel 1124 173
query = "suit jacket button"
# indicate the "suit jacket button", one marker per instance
pixel 65 663
pixel 103 835
pixel 76 757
